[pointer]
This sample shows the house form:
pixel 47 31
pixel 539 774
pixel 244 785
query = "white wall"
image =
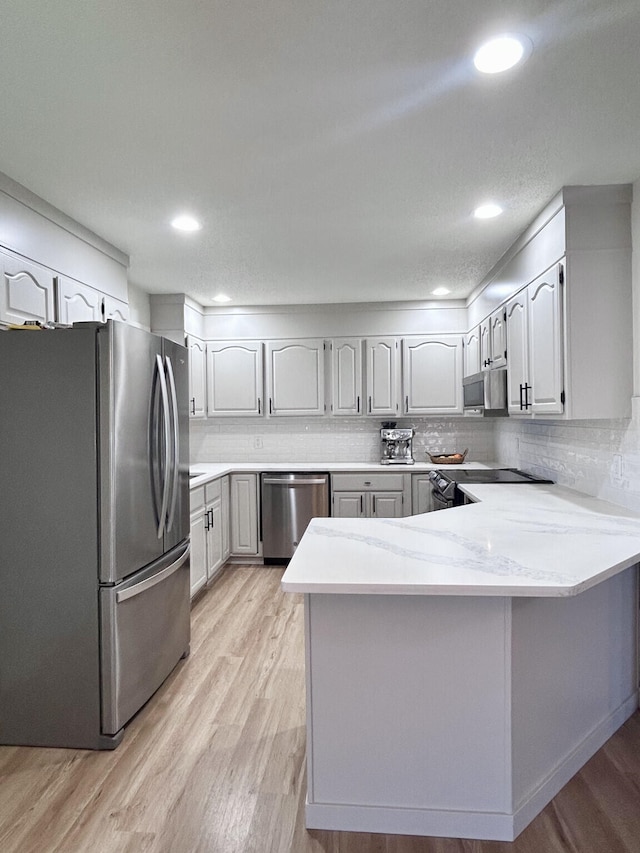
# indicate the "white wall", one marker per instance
pixel 584 454
pixel 139 307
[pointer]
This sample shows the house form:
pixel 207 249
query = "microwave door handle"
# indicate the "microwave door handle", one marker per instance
pixel 176 443
pixel 167 448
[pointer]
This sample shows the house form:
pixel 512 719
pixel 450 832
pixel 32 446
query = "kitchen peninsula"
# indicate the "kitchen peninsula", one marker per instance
pixel 463 665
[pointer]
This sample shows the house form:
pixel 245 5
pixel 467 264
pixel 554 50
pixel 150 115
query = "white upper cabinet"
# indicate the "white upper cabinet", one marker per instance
pixel 115 309
pixel 432 375
pixel 346 376
pixel 197 377
pixel 518 366
pixel 234 378
pixel 535 363
pixel 27 292
pixel 78 303
pixel 493 341
pixel 498 325
pixel 472 352
pixel 382 368
pixel 545 343
pixel 295 377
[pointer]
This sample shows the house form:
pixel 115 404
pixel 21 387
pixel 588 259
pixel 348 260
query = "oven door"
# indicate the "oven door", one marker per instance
pixel 439 500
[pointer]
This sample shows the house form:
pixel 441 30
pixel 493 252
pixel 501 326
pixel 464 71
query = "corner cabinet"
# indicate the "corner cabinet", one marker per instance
pixel 234 378
pixel 197 377
pixel 432 375
pixel 382 376
pixel 295 377
pixel 535 360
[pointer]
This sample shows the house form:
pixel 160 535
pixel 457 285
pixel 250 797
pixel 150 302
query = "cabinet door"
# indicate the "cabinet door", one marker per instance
pixel 197 382
pixel 518 353
pixel 348 504
pixel 498 338
pixel 421 500
pixel 234 378
pixel 382 376
pixel 78 303
pixel 27 292
pixel 485 344
pixel 226 540
pixel 198 552
pixel 472 352
pixel 386 505
pixel 244 514
pixel 114 309
pixel 432 375
pixel 545 343
pixel 295 377
pixel 346 376
pixel 214 538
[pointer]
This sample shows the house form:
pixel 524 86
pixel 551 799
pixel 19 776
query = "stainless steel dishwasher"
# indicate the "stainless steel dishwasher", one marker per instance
pixel 289 502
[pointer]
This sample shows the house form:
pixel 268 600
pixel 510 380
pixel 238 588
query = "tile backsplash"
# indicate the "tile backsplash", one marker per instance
pixel 597 457
pixel 600 457
pixel 330 439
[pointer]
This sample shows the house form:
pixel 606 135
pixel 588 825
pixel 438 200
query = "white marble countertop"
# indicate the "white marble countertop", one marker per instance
pixel 201 473
pixel 519 540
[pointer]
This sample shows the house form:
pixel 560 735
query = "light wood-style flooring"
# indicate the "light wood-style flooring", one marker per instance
pixel 215 762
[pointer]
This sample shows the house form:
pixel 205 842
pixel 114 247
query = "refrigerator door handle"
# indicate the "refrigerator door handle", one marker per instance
pixel 138 588
pixel 176 443
pixel 167 449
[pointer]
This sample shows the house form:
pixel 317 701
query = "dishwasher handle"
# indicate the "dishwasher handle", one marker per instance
pixel 273 481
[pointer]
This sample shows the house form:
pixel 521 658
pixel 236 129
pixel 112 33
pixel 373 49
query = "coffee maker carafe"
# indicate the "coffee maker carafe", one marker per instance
pixel 396 445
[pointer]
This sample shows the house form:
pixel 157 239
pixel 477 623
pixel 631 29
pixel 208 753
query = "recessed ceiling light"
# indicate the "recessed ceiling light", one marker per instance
pixel 487 211
pixel 185 222
pixel 501 53
pixel 440 291
pixel 221 297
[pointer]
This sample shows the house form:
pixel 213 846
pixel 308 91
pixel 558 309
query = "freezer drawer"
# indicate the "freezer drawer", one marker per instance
pixel 145 630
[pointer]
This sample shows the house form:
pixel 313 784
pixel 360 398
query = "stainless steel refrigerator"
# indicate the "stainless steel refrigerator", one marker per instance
pixel 94 529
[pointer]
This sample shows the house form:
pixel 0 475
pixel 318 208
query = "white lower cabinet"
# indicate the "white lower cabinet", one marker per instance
pixel 421 494
pixel 198 540
pixel 244 515
pixel 209 531
pixel 367 496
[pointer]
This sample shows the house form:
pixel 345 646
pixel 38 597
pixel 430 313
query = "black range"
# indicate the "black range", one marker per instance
pixel 445 483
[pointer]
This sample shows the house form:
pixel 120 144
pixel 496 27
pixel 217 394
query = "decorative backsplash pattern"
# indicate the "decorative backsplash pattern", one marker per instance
pixel 330 439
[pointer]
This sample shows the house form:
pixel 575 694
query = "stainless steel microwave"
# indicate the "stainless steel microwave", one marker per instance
pixel 485 393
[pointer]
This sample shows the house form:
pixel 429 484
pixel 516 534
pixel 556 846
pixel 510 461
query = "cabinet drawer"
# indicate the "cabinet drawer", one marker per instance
pixel 213 490
pixel 367 482
pixel 196 498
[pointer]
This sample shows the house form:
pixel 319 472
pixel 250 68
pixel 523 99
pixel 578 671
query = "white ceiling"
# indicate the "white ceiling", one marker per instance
pixel 333 149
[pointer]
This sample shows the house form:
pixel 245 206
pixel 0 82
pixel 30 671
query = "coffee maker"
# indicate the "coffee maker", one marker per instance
pixel 396 444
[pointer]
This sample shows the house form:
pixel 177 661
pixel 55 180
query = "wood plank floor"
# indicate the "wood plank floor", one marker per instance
pixel 214 763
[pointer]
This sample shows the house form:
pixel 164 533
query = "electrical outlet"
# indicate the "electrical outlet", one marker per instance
pixel 257 442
